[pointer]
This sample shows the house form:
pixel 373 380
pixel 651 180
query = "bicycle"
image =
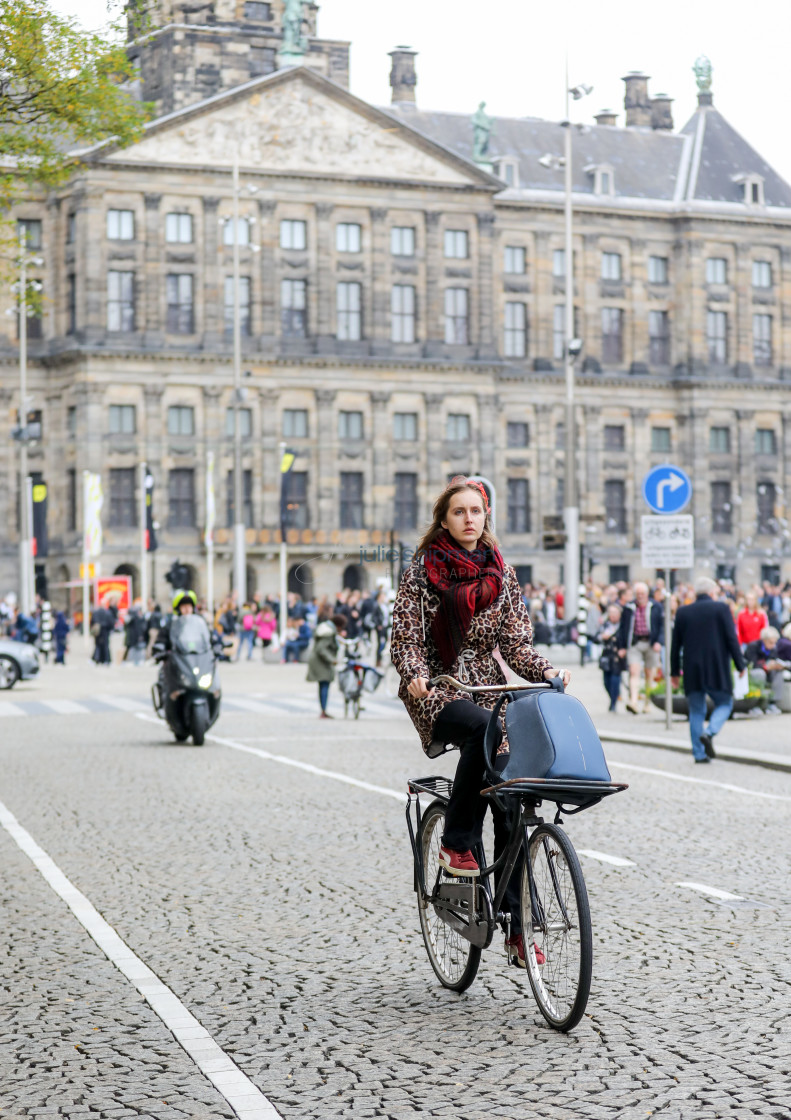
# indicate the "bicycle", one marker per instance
pixel 355 677
pixel 459 915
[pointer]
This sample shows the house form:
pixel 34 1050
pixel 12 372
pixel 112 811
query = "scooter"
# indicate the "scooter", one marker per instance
pixel 187 693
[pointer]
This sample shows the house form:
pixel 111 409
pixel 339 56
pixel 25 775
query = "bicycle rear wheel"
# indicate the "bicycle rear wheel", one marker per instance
pixel 560 929
pixel 454 959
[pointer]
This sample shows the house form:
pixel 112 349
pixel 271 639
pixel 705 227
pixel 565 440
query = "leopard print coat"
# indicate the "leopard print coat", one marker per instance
pixel 504 623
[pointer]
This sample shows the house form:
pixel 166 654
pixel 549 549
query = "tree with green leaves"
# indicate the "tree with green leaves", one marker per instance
pixel 62 89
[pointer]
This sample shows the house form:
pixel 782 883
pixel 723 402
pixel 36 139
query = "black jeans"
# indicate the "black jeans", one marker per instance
pixel 463 723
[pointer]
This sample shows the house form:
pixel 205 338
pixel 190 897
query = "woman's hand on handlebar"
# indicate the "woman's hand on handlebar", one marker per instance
pixel 564 674
pixel 418 688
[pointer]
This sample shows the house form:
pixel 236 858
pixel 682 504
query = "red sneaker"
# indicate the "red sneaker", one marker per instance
pixel 459 863
pixel 515 948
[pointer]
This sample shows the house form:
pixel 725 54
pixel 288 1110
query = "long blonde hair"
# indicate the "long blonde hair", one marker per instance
pixel 487 538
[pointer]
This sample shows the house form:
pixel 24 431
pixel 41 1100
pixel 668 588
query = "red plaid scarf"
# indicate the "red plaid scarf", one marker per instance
pixel 467 582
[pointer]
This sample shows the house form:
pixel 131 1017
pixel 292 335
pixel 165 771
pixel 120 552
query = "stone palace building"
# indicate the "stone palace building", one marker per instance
pixel 402 297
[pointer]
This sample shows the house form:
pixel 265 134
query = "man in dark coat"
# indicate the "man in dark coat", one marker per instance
pixel 704 642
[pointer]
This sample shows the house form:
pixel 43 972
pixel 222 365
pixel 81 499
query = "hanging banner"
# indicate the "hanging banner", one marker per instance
pixel 211 507
pixel 94 499
pixel 286 464
pixel 117 589
pixel 151 536
pixel 40 538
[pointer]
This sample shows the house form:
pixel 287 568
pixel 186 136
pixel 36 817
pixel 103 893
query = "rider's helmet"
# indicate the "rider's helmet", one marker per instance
pixel 181 595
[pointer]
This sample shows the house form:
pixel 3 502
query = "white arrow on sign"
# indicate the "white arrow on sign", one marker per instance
pixel 673 481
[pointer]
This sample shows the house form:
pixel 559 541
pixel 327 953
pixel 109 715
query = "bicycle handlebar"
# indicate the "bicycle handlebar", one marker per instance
pixel 445 678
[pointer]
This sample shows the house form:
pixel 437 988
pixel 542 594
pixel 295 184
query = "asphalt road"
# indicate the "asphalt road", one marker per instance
pixel 267 910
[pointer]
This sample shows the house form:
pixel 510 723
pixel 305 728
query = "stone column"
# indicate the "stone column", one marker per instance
pixel 636 339
pixel 435 323
pixel 327 442
pixel 379 332
pixel 541 327
pixel 435 437
pixel 149 286
pixel 741 334
pixel 382 490
pixel 694 439
pixel 639 448
pixel 268 278
pixel 90 266
pixel 487 436
pixel 270 466
pixel 745 481
pixel 487 347
pixel 213 294
pixel 325 296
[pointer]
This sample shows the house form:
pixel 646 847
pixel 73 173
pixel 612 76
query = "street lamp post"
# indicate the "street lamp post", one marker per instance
pixel 239 558
pixel 26 579
pixel 572 346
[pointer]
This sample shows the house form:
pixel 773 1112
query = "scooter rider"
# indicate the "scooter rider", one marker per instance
pixel 184 602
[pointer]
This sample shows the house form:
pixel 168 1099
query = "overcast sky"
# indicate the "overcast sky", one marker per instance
pixel 511 54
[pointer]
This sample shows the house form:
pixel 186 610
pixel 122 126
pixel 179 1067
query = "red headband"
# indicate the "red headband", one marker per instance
pixel 479 486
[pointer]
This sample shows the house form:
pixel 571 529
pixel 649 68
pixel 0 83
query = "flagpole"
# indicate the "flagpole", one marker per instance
pixel 283 559
pixel 85 587
pixel 143 538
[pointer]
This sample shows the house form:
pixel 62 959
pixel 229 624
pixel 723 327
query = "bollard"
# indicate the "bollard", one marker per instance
pixel 45 630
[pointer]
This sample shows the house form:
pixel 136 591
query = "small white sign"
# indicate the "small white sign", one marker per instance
pixel 668 541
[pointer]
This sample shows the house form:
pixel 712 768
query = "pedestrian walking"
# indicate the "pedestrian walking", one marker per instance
pixel 611 662
pixel 265 625
pixel 135 636
pixel 246 632
pixel 324 654
pixel 457 601
pixel 102 626
pixel 640 641
pixel 60 634
pixel 704 642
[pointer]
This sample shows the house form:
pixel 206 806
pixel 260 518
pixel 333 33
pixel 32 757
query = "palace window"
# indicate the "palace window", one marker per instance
pixel 717 336
pixel 765 441
pixel 457 331
pixel 31 229
pixel 457 244
pixel 180 307
pixel 245 422
pixel 611 266
pixel 121 225
pixel 559 264
pixel 350 425
pixel 612 335
pixel 515 340
pixel 244 305
pixel 660 439
pixel 181 498
pixel 257 10
pixel 293 308
pixel 721 507
pixel 122 419
pixel 123 507
pixel 243 229
pixel 297 509
pixel 615 505
pixel 720 440
pixel 405 505
pixel 716 270
pixel 518 505
pixel 181 420
pixel 762 340
pixel 349 311
pixel 614 437
pixel 762 274
pixel 657 270
pixel 517 434
pixel 659 338
pixel 293 234
pixel 247 499
pixel 178 228
pixel 402 241
pixel 120 301
pixel 405 426
pixel 457 427
pixel 402 307
pixel 766 495
pixel 295 423
pixel 515 262
pixel 352 505
pixel 348 237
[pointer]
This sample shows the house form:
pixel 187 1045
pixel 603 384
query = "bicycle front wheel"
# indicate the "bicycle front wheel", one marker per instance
pixel 556 927
pixel 453 958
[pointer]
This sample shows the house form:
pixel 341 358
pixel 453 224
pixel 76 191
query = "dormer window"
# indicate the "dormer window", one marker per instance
pixel 603 179
pixel 752 187
pixel 507 169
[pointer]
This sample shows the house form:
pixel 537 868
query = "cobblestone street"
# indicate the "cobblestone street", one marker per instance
pixel 274 900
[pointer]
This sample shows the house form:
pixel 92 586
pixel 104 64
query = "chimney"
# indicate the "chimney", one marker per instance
pixel 403 76
pixel 661 113
pixel 636 101
pixel 606 116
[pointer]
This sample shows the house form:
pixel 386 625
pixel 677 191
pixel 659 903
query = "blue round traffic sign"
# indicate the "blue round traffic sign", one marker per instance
pixel 667 489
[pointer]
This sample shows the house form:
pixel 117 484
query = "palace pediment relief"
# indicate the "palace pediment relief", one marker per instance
pixel 296 122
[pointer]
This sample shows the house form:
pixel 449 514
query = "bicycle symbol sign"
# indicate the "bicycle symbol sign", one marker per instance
pixel 667 489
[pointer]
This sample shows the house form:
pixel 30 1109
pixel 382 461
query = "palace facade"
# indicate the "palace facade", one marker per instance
pixel 402 297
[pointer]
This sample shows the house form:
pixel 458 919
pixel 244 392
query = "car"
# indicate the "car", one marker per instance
pixel 18 661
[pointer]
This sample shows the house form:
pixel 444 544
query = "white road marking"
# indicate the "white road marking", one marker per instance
pixel 66 707
pixel 245 1099
pixel 306 766
pixel 616 861
pixel 123 703
pixel 9 709
pixel 715 892
pixel 699 781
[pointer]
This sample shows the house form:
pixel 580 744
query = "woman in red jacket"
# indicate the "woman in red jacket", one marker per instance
pixel 751 620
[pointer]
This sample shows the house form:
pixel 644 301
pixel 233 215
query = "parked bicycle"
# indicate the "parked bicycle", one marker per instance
pixel 355 677
pixel 550 734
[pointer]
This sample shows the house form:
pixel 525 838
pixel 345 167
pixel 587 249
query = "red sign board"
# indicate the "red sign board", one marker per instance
pixel 114 588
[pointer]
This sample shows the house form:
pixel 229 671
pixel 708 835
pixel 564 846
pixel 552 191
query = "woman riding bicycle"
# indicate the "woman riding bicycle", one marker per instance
pixel 457 602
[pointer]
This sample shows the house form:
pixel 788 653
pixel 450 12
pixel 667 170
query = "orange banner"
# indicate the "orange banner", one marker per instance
pixel 117 588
